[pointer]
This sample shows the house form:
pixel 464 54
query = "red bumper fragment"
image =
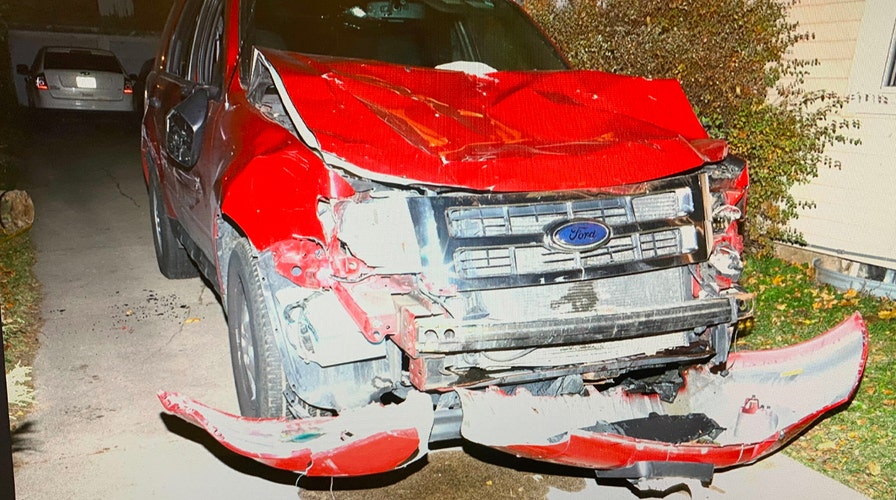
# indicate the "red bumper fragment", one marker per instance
pixel 369 440
pixel 766 399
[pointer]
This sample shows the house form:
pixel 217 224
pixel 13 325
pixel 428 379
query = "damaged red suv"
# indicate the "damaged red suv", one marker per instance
pixel 424 226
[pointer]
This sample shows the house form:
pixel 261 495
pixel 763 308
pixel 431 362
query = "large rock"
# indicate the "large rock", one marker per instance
pixel 16 212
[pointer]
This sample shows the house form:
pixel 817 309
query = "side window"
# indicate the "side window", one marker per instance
pixel 208 46
pixel 178 57
pixel 890 70
pixel 247 34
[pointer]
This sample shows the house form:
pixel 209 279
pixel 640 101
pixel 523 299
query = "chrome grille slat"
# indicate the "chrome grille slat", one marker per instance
pixel 487 241
pixel 474 263
pixel 510 220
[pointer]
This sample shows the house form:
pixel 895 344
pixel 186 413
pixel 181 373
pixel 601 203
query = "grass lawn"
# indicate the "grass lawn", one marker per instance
pixel 19 290
pixel 854 446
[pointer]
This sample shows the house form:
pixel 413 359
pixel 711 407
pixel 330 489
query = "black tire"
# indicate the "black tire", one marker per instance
pixel 174 262
pixel 257 368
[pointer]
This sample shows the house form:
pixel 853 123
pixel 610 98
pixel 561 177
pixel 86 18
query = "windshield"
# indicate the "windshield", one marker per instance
pixel 426 33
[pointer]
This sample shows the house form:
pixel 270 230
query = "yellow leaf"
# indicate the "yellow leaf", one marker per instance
pixel 850 293
pixel 827 445
pixel 874 468
pixel 781 307
pixel 778 280
pixel 190 321
pixel 884 314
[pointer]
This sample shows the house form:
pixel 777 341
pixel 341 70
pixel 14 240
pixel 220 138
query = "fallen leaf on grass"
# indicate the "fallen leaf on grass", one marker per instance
pixel 874 468
pixel 827 445
pixel 887 314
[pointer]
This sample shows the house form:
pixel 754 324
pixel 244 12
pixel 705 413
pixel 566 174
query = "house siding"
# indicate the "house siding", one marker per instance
pixel 855 212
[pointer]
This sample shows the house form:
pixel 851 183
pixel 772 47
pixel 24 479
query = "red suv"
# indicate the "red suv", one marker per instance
pixel 424 226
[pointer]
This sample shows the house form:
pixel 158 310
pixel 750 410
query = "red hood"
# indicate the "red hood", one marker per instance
pixel 506 131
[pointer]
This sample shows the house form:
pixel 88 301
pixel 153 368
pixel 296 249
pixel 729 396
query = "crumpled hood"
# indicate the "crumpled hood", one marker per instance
pixel 504 131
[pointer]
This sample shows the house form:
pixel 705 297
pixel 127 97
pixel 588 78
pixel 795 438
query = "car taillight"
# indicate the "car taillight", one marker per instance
pixel 128 87
pixel 40 81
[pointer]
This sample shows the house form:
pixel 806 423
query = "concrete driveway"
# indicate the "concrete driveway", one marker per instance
pixel 116 331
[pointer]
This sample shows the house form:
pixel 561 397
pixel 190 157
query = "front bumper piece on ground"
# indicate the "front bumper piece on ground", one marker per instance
pixel 763 400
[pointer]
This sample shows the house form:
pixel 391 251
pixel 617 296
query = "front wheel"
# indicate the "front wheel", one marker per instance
pixel 257 368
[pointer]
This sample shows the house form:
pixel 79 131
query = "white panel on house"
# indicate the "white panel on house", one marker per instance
pixel 855 214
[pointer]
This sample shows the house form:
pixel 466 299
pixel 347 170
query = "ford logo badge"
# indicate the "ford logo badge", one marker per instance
pixel 578 235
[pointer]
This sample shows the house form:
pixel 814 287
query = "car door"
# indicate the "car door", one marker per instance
pixel 188 97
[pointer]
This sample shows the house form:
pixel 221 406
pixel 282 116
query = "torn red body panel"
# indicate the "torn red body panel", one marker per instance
pixel 794 386
pixel 366 441
pixel 764 400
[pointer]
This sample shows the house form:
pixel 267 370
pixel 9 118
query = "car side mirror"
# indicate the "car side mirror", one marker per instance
pixel 186 127
pixel 23 69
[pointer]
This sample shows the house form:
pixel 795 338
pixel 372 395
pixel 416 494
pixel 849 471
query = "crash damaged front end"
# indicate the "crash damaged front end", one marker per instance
pixel 425 316
pixel 526 299
pixel 715 421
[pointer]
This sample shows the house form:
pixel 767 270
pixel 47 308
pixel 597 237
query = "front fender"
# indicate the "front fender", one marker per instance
pixel 274 196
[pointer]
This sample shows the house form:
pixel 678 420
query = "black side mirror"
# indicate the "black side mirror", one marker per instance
pixel 186 127
pixel 23 69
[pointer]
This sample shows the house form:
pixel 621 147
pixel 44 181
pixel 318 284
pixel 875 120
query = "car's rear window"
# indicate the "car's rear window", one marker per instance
pixel 416 33
pixel 81 60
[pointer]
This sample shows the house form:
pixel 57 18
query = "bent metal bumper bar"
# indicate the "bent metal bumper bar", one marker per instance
pixel 486 335
pixel 764 399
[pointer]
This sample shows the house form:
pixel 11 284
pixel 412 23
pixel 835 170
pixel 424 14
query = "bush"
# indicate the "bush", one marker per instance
pixel 730 57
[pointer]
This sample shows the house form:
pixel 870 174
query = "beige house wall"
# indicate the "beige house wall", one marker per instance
pixel 855 214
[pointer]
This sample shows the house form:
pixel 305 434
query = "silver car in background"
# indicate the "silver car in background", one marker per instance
pixel 79 79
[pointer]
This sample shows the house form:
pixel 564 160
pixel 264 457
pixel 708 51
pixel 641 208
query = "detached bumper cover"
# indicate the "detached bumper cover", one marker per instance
pixel 370 440
pixel 766 399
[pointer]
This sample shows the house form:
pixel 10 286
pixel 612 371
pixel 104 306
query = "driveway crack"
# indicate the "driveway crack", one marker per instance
pixel 120 190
